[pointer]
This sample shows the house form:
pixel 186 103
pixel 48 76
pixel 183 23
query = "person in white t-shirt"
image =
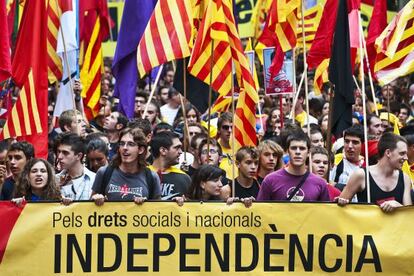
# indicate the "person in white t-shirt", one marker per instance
pixel 169 110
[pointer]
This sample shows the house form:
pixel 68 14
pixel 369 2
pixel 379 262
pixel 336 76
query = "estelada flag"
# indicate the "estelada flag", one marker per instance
pixel 28 118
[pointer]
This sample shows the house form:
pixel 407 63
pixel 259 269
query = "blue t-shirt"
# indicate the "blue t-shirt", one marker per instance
pixel 8 189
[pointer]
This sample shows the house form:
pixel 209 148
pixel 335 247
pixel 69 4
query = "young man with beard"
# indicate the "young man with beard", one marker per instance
pixel 18 155
pixel 389 186
pixel 166 148
pixel 75 180
pixel 294 182
pixel 127 178
pixel 113 125
pixel 353 140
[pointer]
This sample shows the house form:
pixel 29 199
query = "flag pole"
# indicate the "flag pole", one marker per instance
pixel 233 169
pixel 329 133
pixel 186 134
pixel 210 95
pixel 361 71
pixel 152 91
pixel 306 77
pixel 295 99
pixel 371 83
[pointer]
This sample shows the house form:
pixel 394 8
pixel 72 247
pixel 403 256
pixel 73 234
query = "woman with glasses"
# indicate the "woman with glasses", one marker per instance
pixel 127 178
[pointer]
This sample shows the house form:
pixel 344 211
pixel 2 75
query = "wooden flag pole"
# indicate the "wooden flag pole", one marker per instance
pixel 152 91
pixel 306 77
pixel 329 133
pixel 295 99
pixel 233 169
pixel 210 91
pixel 186 134
pixel 361 71
pixel 369 71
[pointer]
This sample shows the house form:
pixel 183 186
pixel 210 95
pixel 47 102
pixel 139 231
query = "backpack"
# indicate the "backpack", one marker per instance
pixel 149 179
pixel 339 171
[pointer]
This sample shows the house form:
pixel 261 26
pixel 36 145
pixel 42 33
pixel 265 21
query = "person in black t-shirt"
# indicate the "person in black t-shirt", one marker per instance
pixel 247 161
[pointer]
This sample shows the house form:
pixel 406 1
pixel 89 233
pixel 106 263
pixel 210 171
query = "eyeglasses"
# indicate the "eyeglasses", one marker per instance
pixel 226 127
pixel 129 144
pixel 212 151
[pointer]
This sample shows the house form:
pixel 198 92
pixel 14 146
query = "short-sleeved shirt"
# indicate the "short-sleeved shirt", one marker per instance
pixel 173 182
pixel 79 188
pixel 280 184
pixel 242 192
pixel 126 186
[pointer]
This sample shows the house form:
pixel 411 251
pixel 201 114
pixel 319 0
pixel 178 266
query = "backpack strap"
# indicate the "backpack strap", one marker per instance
pixel 339 171
pixel 300 184
pixel 105 179
pixel 149 178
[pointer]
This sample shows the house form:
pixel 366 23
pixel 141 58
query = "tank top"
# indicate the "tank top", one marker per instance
pixel 378 196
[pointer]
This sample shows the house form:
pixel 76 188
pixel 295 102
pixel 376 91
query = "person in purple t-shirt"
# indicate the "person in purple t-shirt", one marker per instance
pixel 280 184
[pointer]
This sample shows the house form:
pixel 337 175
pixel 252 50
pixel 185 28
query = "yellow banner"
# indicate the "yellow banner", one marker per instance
pixel 205 238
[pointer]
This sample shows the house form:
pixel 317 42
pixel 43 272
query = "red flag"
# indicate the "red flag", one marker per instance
pixel 5 63
pixel 376 26
pixel 28 119
pixel 322 43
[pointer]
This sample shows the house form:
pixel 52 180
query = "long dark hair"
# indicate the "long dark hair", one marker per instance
pixel 50 191
pixel 203 174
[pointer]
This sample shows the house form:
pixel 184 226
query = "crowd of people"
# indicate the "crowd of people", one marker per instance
pixel 166 152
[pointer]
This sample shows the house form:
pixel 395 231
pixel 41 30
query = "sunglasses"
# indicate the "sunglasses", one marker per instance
pixel 226 127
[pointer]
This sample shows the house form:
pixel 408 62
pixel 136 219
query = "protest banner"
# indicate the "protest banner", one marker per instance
pixel 204 238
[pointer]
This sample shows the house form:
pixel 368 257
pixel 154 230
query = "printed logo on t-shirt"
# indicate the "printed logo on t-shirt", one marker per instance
pixel 124 190
pixel 299 196
pixel 167 189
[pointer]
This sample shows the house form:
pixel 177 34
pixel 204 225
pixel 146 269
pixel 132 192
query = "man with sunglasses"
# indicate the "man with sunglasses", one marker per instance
pixel 225 129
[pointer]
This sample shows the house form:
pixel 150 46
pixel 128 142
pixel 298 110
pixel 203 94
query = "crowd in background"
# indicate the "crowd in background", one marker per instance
pixel 168 154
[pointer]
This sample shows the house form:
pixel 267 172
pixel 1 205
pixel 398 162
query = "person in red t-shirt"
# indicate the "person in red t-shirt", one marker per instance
pixel 320 161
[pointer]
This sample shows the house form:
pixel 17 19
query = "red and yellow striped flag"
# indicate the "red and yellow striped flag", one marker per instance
pixel 92 67
pixel 321 76
pixel 222 104
pixel 167 35
pixel 395 46
pixel 311 23
pixel 218 29
pixel 283 21
pixel 90 74
pixel 54 64
pixel 24 119
pixel 28 117
pixel 280 27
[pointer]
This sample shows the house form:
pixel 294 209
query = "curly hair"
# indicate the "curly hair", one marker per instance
pixel 140 139
pixel 24 188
